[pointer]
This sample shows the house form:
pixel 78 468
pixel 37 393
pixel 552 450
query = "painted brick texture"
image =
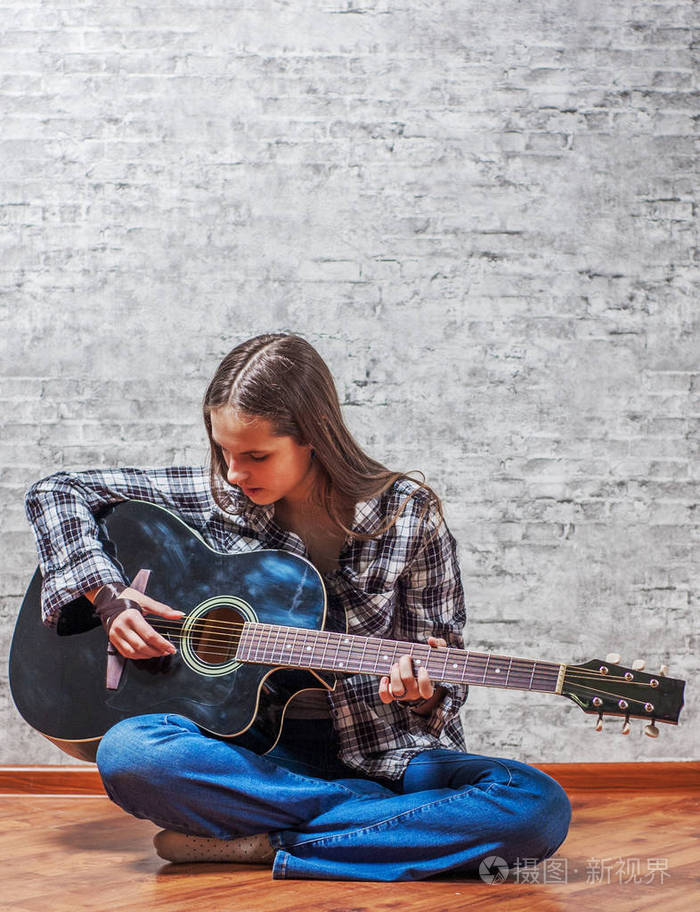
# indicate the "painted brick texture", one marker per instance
pixel 483 215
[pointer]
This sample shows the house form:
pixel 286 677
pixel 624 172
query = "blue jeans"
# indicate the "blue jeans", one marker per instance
pixel 448 812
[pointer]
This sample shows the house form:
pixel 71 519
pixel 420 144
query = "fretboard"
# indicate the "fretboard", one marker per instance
pixel 297 647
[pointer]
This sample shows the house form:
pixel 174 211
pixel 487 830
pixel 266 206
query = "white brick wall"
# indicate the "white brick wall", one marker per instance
pixel 482 215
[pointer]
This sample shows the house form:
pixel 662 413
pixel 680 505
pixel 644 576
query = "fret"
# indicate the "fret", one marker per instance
pixel 265 645
pixel 276 651
pixel 466 663
pixel 260 653
pixel 364 649
pixel 346 657
pixel 249 631
pixel 255 641
pixel 532 675
pixel 326 641
pixel 306 648
pixel 335 662
pixel 294 645
pixel 289 637
pixel 423 657
pixel 340 657
pixel 486 667
pixel 256 644
pixel 382 653
pixel 510 665
pixel 242 651
pixel 373 649
pixel 339 663
pixel 286 648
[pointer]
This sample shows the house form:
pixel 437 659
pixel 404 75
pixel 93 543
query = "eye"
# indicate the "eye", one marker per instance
pixel 259 458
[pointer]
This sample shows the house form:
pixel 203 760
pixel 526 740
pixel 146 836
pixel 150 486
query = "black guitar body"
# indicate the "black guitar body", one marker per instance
pixel 58 677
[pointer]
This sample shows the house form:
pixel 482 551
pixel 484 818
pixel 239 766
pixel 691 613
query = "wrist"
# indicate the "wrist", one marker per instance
pixel 108 605
pixel 93 594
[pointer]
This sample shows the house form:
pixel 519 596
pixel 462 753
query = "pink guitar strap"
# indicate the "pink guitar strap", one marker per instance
pixel 115 660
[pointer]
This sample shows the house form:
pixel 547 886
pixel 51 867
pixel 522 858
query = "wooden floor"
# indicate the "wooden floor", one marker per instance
pixel 626 851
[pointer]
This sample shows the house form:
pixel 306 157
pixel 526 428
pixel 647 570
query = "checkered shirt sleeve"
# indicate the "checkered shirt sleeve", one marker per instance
pixel 62 510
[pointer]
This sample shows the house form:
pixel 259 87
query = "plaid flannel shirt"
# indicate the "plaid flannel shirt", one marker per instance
pixel 403 585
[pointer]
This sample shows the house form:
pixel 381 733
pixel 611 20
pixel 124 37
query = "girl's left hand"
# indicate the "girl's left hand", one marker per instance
pixel 403 685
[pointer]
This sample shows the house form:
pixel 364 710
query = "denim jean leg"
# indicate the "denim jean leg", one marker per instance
pixel 163 768
pixel 456 810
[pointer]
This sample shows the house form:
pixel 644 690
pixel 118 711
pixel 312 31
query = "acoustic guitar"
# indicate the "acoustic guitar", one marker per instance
pixel 254 634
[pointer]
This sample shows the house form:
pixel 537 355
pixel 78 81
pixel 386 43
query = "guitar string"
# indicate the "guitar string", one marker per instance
pixel 514 675
pixel 273 629
pixel 222 631
pixel 225 628
pixel 271 661
pixel 228 627
pixel 525 669
pixel 526 666
pixel 224 638
pixel 622 696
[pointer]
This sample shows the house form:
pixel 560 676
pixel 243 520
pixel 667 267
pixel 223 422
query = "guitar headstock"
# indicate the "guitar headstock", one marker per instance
pixel 606 688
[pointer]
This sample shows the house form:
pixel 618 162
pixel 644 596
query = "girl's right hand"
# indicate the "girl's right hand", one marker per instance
pixel 132 635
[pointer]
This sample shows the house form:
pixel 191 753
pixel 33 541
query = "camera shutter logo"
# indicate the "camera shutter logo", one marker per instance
pixel 493 869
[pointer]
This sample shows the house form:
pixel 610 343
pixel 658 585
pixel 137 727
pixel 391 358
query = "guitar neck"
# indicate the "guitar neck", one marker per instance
pixel 295 647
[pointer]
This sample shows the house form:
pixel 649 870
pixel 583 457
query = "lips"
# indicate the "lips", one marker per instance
pixel 249 492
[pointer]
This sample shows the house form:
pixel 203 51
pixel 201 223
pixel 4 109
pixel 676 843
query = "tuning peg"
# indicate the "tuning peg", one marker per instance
pixel 638 664
pixel 651 730
pixel 613 658
pixel 664 671
pixel 626 727
pixel 599 723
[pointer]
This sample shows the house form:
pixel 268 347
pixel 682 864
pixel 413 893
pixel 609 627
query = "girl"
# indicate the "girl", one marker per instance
pixel 368 781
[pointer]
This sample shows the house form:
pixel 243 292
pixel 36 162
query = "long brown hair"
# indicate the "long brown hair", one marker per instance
pixel 282 378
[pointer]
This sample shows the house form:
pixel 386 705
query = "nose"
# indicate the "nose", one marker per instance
pixel 235 474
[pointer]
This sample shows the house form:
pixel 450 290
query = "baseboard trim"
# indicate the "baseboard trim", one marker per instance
pixel 625 777
pixel 683 775
pixel 50 780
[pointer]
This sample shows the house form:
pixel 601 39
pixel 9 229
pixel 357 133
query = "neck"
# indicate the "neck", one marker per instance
pixel 302 499
pixel 331 651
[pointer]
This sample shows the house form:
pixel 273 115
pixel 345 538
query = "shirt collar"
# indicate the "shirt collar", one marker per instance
pixel 367 517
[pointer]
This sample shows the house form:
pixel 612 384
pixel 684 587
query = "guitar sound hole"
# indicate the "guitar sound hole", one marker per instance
pixel 216 634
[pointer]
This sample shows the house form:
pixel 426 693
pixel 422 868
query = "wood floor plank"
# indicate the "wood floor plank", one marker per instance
pixel 83 853
pixel 85 780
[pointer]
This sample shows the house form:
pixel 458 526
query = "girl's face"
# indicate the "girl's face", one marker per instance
pixel 266 468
